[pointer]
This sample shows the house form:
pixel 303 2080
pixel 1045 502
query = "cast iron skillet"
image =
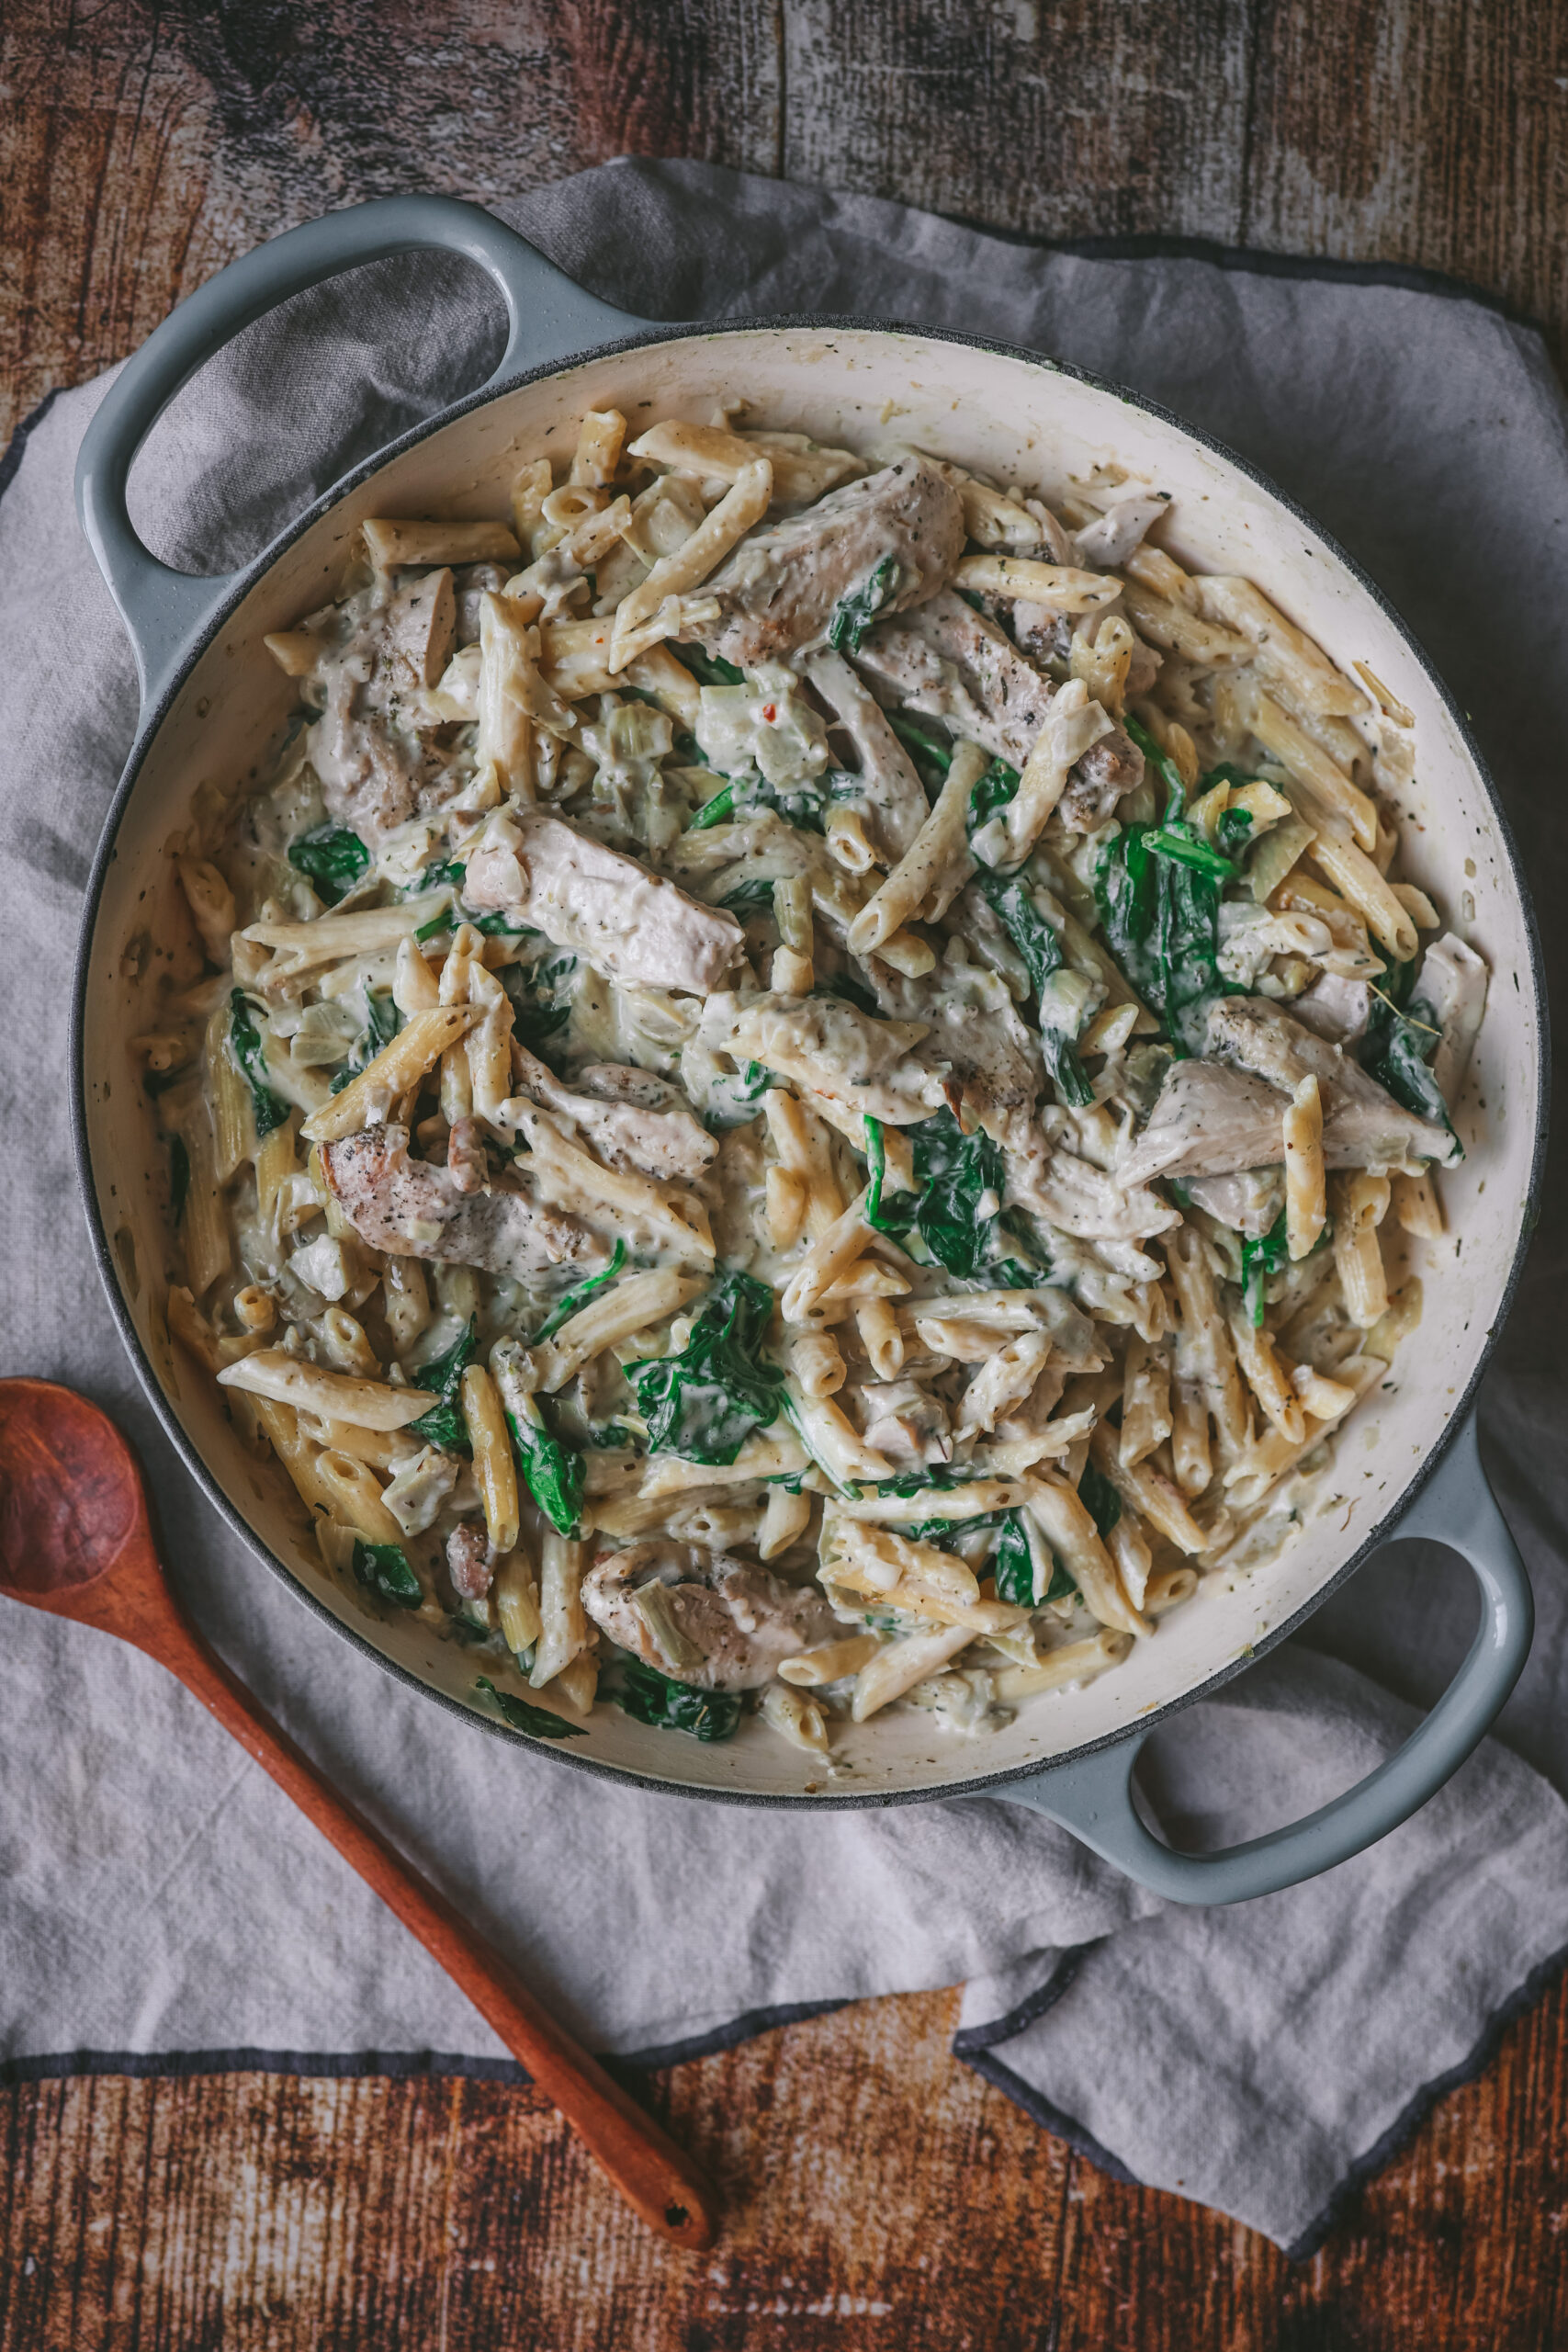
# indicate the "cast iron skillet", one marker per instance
pixel 175 623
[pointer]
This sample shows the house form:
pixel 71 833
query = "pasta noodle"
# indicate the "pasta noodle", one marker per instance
pixel 801 1078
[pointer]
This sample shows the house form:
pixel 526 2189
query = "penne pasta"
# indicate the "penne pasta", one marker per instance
pixel 651 1079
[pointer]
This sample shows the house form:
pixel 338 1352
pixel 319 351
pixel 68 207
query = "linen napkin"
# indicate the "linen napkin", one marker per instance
pixel 163 1906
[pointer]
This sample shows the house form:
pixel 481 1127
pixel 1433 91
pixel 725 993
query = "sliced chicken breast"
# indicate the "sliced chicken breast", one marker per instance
pixel 703 1617
pixel 413 1208
pixel 777 590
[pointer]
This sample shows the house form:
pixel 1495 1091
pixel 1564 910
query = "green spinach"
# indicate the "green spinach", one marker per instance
pixel 1397 1049
pixel 993 789
pixel 541 997
pixel 579 1296
pixel 953 1172
pixel 381 1027
pixel 649 1697
pixel 245 1045
pixel 858 606
pixel 538 1721
pixel 933 754
pixel 752 897
pixel 1042 953
pixel 1164 766
pixel 1012 1565
pixel 707 668
pixel 1161 923
pixel 1269 1254
pixel 552 1472
pixel 704 1403
pixel 443 1425
pixel 384 1568
pixel 1100 1498
pixel 331 857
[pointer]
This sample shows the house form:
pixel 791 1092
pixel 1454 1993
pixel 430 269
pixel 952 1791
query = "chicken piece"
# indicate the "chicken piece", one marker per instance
pixel 1452 982
pixel 1209 1120
pixel 413 1209
pixel 472 583
pixel 628 1118
pixel 830 1048
pixel 1250 1201
pixel 420 627
pixel 1336 1007
pixel 951 663
pixel 778 589
pixel 601 903
pixel 1363 1126
pixel 977 1041
pixel 468 1560
pixel 1074 1197
pixel 702 1617
pixel 904 1422
pixel 890 796
pixel 1105 544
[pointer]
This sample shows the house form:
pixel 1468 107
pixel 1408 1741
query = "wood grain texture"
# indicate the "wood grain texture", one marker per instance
pixel 880 2196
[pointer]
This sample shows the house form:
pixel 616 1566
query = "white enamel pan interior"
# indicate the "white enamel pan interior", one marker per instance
pixel 222 698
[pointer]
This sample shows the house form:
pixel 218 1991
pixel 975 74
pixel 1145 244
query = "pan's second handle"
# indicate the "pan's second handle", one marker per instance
pixel 548 318
pixel 1093 1798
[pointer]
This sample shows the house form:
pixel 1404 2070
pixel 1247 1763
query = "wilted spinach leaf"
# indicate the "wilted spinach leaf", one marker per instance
pixel 1012 1565
pixel 953 1174
pixel 1042 953
pixel 333 858
pixel 704 1403
pixel 382 1026
pixel 858 606
pixel 1398 1048
pixel 707 668
pixel 523 1717
pixel 649 1697
pixel 541 997
pixel 1100 1498
pixel 1259 1258
pixel 579 1294
pixel 245 1045
pixel 993 790
pixel 443 1425
pixel 384 1567
pixel 552 1472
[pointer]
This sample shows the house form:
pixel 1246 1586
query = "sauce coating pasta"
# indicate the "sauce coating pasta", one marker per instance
pixel 789 1098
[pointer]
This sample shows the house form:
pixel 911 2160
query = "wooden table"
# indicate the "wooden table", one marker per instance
pixel 880 2194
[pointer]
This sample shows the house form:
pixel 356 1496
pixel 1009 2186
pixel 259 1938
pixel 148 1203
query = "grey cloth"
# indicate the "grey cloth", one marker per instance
pixel 161 1897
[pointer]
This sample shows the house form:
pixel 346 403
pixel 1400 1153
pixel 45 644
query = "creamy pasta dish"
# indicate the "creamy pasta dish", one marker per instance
pixel 804 1085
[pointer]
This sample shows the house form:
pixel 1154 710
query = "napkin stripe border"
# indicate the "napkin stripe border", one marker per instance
pixel 398 2065
pixel 974 2048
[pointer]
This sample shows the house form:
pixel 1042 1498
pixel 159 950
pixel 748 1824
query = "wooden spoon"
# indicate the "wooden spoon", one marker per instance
pixel 75 1538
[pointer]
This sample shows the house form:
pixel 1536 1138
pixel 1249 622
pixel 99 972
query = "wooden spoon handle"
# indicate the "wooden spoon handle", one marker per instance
pixel 655 2177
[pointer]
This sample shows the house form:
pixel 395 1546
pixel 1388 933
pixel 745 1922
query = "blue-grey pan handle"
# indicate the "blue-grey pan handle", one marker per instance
pixel 548 318
pixel 1093 1798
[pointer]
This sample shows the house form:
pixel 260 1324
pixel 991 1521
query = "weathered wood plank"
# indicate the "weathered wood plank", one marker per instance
pixel 1061 117
pixel 878 2195
pixel 143 149
pixel 1437 136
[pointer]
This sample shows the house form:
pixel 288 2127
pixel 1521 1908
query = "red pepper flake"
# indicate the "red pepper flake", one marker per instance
pixel 770 712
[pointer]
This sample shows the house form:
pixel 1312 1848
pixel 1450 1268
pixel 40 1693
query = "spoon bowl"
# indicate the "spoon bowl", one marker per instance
pixel 71 1502
pixel 76 1539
